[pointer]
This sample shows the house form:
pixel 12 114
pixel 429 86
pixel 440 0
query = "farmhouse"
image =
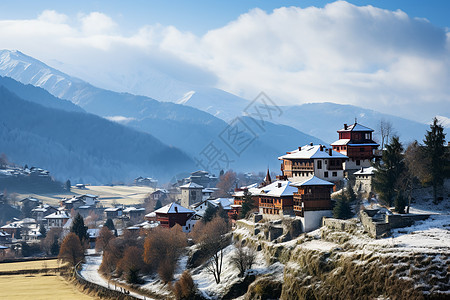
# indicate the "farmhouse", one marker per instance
pixel 42 211
pixel 113 212
pixel 57 219
pixel 172 214
pixel 276 199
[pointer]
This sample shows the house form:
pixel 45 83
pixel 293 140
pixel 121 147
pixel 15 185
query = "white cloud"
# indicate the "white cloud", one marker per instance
pixel 343 53
pixel 96 23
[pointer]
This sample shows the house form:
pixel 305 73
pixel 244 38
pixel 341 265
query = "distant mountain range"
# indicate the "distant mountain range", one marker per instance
pixel 80 146
pixel 184 127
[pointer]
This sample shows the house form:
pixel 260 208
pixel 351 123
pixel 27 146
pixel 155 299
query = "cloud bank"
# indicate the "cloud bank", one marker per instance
pixel 343 53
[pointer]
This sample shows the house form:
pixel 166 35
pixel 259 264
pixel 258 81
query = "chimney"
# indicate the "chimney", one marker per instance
pixel 321 148
pixel 345 126
pixel 299 148
pixel 311 144
pixel 330 152
pixel 279 184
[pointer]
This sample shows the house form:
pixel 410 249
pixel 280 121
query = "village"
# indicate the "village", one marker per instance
pixel 312 182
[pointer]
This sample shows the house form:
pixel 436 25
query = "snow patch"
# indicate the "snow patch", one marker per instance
pixel 120 119
pixel 185 97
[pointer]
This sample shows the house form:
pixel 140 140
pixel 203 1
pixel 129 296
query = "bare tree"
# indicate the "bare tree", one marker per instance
pixel 243 258
pixel 103 239
pixel 226 184
pixel 386 130
pixel 213 239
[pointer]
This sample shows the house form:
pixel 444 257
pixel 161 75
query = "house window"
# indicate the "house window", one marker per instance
pixel 334 174
pixel 361 149
pixel 325 174
pixel 319 164
pixel 358 162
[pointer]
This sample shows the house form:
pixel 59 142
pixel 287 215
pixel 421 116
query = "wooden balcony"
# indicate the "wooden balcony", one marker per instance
pixel 303 168
pixel 266 205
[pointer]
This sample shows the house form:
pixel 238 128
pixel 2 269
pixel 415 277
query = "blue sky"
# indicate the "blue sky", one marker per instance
pixel 201 16
pixel 296 51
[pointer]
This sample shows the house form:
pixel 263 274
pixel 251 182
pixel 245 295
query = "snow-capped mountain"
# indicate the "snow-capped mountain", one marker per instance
pixel 181 126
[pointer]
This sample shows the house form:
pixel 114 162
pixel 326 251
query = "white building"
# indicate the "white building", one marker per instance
pixel 313 160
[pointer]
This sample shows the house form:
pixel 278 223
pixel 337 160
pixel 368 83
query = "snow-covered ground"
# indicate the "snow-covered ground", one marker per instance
pixel 89 272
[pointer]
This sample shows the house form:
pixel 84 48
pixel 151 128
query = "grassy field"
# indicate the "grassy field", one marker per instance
pixel 127 195
pixel 38 286
pixel 30 265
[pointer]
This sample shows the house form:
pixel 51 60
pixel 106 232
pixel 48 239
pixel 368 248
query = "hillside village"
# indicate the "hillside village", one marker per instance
pixel 297 206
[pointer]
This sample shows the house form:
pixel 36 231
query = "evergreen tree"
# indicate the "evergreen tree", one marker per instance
pixel 222 213
pixel 350 193
pixel 110 224
pixel 79 228
pixel 42 231
pixel 247 204
pixel 158 204
pixel 210 212
pixel 342 209
pixel 54 249
pixel 400 203
pixel 435 152
pixel 68 185
pixel 389 170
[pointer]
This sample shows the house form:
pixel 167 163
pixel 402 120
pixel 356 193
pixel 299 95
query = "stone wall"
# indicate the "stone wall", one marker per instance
pixel 341 225
pixel 377 229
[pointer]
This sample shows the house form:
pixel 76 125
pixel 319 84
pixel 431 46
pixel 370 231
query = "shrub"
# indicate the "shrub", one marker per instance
pixel 185 287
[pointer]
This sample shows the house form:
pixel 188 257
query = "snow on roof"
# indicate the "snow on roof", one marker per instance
pixel 11 225
pixel 27 221
pixel 132 209
pixel 225 202
pixel 84 207
pixel 58 215
pixel 366 171
pixel 280 188
pixel 191 185
pixel 151 215
pixel 3 247
pixel 314 151
pixel 161 191
pixel 313 181
pixel 341 142
pixel 173 208
pixel 113 208
pixel 356 127
pixel 91 196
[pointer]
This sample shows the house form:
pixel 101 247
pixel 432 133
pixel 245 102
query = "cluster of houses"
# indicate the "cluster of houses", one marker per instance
pixel 10 171
pixel 309 175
